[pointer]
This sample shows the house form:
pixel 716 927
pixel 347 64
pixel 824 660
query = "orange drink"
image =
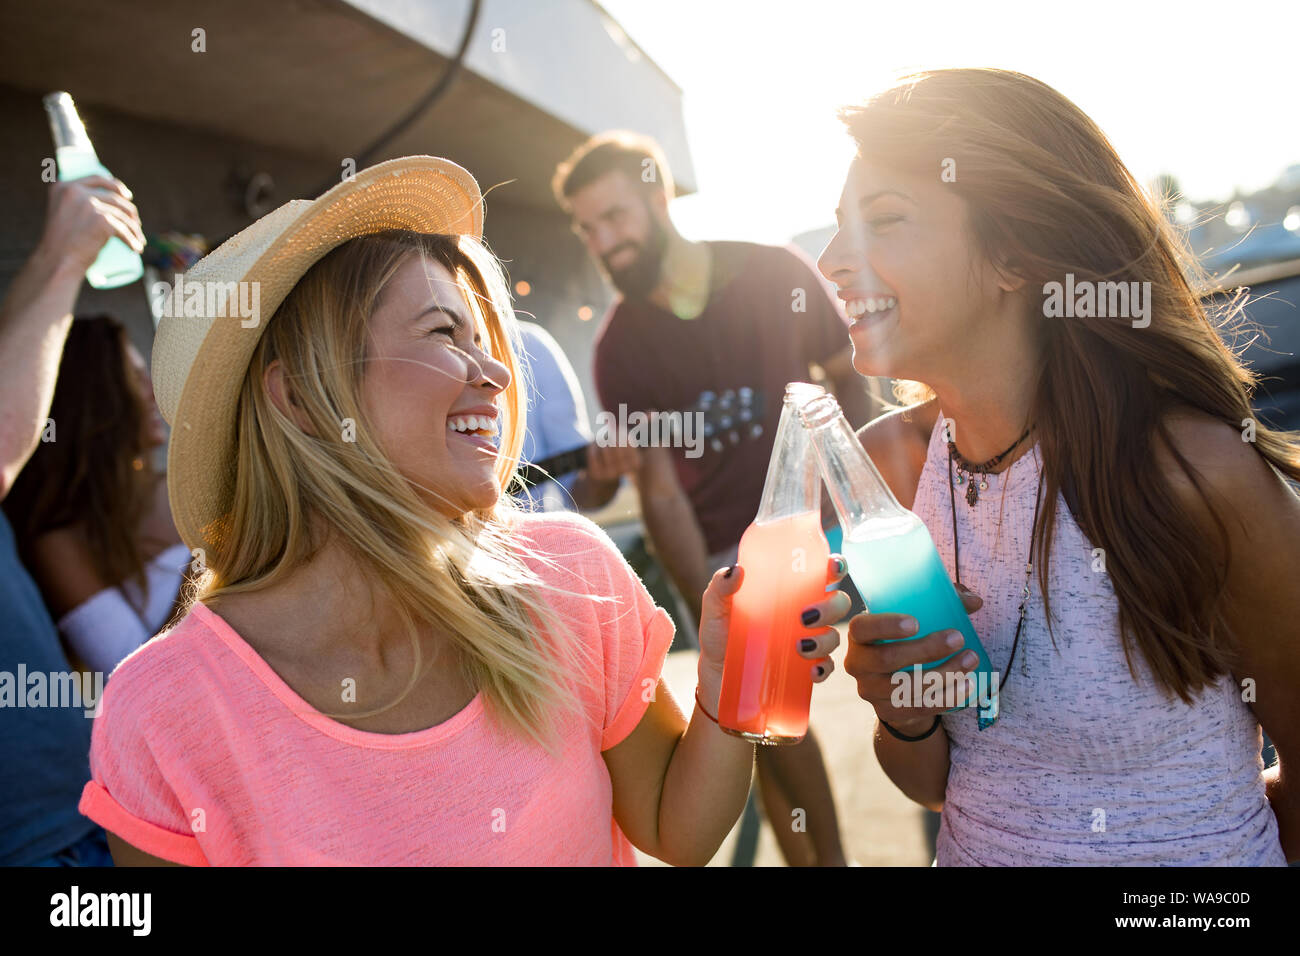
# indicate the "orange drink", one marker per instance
pixel 766 684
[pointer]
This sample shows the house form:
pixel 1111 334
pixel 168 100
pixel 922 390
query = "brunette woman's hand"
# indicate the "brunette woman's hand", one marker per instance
pixel 873 664
pixel 815 625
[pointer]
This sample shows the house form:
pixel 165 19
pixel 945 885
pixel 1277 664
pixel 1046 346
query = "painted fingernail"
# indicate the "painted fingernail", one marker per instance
pixel 908 625
pixel 729 570
pixel 807 644
pixel 954 639
pixel 969 659
pixel 810 616
pixel 821 671
pixel 842 566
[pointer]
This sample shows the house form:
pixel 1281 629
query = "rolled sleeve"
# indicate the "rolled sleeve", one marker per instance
pixel 128 793
pixel 98 804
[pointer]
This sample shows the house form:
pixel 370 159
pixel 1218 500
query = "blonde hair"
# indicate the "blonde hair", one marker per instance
pixel 465 573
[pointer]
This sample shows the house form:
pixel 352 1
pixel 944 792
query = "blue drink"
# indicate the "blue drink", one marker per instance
pixel 898 571
pixel 892 560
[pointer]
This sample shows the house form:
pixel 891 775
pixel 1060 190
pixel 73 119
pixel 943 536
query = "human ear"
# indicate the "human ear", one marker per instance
pixel 282 396
pixel 1010 282
pixel 1008 278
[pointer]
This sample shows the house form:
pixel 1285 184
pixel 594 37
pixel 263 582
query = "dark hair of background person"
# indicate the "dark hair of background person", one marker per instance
pixel 90 474
pixel 638 157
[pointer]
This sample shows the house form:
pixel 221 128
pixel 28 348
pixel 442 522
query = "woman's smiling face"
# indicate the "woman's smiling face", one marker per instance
pixel 426 373
pixel 908 274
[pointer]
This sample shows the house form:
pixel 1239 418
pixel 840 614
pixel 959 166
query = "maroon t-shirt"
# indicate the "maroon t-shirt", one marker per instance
pixel 749 337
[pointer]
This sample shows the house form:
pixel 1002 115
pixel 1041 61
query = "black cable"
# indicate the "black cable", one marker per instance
pixel 439 89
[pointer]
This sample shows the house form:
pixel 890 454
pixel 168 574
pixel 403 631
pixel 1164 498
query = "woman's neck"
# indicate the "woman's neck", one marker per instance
pixel 989 410
pixel 986 382
pixel 323 607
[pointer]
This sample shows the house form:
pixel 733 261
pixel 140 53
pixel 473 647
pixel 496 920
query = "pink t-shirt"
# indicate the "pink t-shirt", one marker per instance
pixel 202 755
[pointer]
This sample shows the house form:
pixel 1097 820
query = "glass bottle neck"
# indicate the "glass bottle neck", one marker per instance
pixel 857 490
pixel 793 485
pixel 65 123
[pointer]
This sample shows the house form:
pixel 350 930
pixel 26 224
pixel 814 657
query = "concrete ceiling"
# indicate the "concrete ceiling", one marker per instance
pixel 317 77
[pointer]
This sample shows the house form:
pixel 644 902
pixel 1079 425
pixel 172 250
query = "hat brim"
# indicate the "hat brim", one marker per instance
pixel 421 193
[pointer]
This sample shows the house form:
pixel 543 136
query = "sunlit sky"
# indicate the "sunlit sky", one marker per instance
pixel 1207 91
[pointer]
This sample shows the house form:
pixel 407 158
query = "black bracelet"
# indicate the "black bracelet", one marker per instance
pixel 910 740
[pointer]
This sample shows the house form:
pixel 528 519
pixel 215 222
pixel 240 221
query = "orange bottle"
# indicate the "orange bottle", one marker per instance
pixel 766 684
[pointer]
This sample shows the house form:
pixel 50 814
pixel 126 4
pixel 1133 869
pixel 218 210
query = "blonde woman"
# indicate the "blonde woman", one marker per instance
pixel 385 661
pixel 1092 471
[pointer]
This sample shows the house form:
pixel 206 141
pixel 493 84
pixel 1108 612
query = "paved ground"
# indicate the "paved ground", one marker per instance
pixel 878 825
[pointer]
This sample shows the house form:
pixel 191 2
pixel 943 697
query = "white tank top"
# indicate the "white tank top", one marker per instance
pixel 1084 765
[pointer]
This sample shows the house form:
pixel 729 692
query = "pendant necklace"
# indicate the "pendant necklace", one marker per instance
pixel 984 722
pixel 966 472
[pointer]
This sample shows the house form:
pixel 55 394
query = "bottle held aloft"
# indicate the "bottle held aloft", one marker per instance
pixel 117 263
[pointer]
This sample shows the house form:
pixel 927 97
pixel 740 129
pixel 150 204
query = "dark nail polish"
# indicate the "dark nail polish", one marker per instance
pixel 820 670
pixel 810 616
pixel 807 644
pixel 729 570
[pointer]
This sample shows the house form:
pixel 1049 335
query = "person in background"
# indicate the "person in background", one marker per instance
pixel 90 515
pixel 557 423
pixel 699 327
pixel 45 750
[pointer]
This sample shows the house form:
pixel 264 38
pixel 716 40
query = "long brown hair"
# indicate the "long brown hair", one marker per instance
pixel 1047 195
pixel 96 472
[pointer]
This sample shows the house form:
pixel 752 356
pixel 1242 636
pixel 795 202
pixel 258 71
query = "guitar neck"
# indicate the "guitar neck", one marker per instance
pixel 556 466
pixel 718 420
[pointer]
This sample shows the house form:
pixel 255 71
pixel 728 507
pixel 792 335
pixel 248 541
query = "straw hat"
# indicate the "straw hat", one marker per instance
pixel 202 349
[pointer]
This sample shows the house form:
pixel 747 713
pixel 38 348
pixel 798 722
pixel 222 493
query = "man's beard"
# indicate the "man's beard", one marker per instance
pixel 637 280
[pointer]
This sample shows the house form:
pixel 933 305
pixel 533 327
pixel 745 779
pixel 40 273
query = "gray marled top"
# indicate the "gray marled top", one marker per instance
pixel 1085 765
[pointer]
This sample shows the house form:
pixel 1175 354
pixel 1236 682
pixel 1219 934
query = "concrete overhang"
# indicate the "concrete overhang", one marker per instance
pixel 324 78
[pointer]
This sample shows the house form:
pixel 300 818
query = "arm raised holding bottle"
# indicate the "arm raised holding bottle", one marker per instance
pixel 37 309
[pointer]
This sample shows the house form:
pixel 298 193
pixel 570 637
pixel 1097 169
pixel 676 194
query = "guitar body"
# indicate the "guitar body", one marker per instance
pixel 720 420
